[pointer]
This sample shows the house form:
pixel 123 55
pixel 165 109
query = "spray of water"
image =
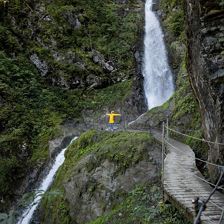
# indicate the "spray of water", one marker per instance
pixel 158 81
pixel 47 181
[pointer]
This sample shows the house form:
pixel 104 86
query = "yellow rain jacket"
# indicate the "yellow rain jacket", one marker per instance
pixel 112 117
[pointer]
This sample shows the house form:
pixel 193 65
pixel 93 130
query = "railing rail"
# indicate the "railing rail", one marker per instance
pixel 165 143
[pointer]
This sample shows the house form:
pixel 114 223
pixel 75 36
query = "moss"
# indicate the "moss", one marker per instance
pixel 35 106
pixel 105 27
pixel 106 145
pixel 108 96
pixel 187 114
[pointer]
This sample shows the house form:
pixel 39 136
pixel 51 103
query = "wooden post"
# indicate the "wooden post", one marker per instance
pixel 163 152
pixel 167 129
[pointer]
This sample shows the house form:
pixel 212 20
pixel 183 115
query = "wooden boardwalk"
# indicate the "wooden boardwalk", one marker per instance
pixel 181 185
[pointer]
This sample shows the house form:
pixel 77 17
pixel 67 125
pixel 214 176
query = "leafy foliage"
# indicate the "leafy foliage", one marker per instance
pixel 27 123
pixel 143 205
pixel 31 106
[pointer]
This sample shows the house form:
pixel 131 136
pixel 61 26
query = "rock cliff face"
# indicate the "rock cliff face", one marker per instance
pixel 205 36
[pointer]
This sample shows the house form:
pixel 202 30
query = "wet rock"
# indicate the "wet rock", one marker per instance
pixel 76 82
pixel 218 74
pixel 137 57
pixel 108 67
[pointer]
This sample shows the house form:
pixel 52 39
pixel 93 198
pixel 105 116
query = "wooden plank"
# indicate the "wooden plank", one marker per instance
pixel 181 186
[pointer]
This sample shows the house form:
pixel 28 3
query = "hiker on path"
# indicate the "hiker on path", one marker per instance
pixel 111 120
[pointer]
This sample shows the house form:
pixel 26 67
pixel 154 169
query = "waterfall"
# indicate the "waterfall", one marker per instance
pixel 47 181
pixel 158 81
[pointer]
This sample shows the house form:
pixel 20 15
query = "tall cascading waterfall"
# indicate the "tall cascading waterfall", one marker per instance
pixel 46 183
pixel 158 78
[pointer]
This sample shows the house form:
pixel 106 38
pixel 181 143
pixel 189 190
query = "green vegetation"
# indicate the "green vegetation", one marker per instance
pixel 143 205
pixel 112 146
pixel 27 123
pixel 31 115
pixel 105 145
pixel 174 19
pixel 186 115
pixel 34 106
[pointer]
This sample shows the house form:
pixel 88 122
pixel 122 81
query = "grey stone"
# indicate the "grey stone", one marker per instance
pixel 40 64
pixel 93 81
pixel 108 67
pixel 204 63
pixel 98 58
pixel 137 56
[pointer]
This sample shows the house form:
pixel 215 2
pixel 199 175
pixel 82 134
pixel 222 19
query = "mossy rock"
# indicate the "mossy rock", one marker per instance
pixel 99 171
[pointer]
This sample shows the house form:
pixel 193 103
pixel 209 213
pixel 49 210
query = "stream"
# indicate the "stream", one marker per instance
pixel 27 214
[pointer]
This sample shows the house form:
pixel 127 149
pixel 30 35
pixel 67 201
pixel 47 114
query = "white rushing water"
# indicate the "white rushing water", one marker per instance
pixel 28 213
pixel 158 81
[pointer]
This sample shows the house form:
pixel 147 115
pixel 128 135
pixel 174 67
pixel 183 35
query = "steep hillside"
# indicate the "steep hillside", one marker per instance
pixel 61 61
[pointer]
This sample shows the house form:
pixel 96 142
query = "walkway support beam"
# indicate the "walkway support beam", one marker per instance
pixel 163 153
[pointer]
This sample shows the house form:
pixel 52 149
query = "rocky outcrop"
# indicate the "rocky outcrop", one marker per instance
pixel 99 59
pixel 36 175
pixel 100 171
pixel 40 64
pixel 205 25
pixel 154 118
pixel 93 192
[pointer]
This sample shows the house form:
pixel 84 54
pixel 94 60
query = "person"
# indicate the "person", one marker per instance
pixel 111 120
